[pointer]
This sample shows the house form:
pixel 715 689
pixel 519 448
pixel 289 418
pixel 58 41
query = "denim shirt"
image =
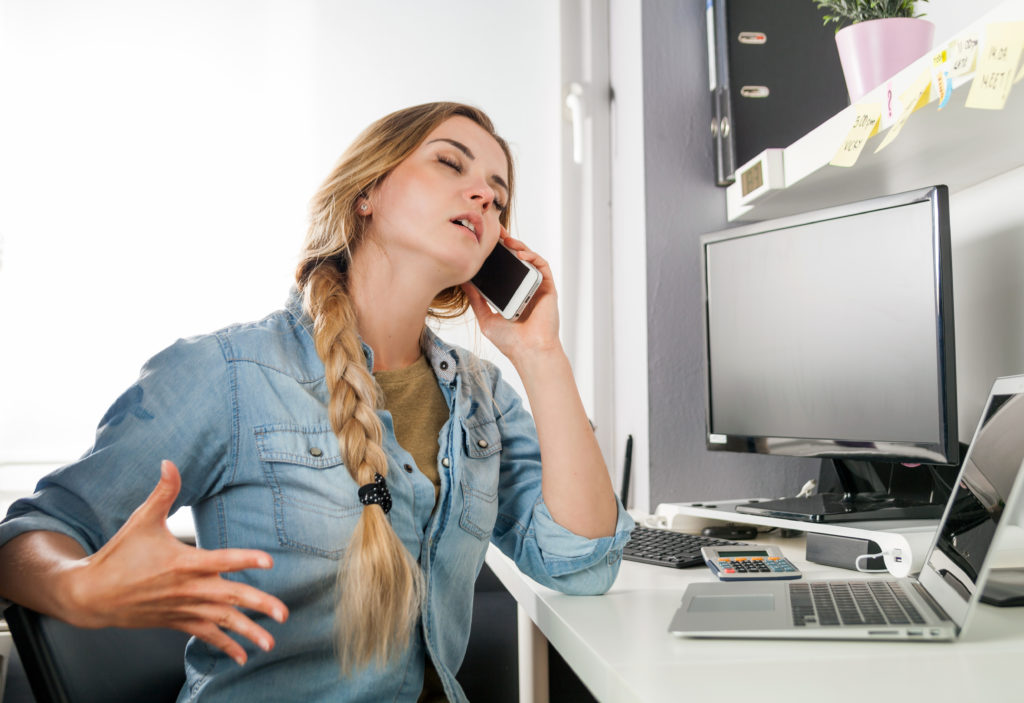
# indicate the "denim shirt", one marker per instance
pixel 242 412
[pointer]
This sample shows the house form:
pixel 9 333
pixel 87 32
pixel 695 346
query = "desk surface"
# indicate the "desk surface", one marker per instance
pixel 619 646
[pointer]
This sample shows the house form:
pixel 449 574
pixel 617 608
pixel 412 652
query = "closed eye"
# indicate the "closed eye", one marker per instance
pixel 450 162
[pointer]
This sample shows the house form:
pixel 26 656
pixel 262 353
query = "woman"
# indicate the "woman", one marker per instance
pixel 336 522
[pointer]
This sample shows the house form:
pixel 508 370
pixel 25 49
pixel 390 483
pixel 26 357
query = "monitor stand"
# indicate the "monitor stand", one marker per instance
pixel 862 490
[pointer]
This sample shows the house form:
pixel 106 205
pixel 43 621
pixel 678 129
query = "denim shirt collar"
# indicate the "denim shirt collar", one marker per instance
pixel 443 358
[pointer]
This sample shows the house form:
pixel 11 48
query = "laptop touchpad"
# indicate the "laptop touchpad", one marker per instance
pixel 733 603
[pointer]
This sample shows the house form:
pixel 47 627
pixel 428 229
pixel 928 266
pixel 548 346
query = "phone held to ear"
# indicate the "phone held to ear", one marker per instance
pixel 507 282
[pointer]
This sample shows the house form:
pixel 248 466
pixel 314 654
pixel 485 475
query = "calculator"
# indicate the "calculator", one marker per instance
pixel 750 562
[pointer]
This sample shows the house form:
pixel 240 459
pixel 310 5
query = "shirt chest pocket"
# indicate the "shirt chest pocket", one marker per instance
pixel 479 479
pixel 316 505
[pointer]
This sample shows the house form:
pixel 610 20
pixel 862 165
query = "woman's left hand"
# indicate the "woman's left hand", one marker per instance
pixel 536 330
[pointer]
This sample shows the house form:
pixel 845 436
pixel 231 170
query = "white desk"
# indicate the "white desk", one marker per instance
pixel 618 645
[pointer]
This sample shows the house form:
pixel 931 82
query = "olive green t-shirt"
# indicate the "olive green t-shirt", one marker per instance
pixel 419 411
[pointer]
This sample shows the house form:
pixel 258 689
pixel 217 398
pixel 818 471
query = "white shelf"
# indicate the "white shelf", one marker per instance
pixel 955 146
pixel 725 511
pixel 903 542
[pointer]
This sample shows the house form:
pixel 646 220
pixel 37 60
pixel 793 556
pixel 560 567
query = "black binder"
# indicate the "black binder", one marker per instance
pixel 775 76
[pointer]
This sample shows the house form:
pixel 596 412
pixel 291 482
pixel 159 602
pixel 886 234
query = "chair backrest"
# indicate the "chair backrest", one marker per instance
pixel 67 664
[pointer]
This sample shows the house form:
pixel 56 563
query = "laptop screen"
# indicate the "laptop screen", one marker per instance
pixel 966 534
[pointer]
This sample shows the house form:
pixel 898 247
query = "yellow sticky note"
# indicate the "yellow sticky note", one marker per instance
pixel 913 98
pixel 963 54
pixel 997 66
pixel 940 76
pixel 1020 75
pixel 864 126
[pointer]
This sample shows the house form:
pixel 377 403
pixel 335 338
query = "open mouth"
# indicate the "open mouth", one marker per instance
pixel 468 225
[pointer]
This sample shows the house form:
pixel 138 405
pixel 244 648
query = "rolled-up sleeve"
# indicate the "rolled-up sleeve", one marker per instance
pixel 544 550
pixel 179 409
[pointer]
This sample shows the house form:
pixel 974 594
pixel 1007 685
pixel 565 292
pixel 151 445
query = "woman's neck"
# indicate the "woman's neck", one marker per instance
pixel 390 308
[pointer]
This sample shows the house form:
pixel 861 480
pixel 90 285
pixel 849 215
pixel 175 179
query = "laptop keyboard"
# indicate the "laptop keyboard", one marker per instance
pixel 677 550
pixel 830 603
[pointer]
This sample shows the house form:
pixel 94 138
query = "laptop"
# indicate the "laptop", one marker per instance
pixel 936 605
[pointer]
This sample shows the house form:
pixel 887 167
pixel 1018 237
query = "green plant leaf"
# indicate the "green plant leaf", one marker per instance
pixel 844 12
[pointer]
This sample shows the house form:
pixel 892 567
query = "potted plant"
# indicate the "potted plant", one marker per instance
pixel 876 39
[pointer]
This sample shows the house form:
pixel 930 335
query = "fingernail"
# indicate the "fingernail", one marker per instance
pixel 279 615
pixel 265 644
pixel 265 562
pixel 240 660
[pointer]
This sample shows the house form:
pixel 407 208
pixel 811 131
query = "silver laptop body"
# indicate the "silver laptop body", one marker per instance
pixel 944 594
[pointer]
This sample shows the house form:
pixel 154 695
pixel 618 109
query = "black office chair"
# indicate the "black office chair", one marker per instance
pixel 67 664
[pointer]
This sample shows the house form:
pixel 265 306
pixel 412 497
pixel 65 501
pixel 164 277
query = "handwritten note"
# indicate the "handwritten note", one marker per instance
pixel 910 100
pixel 963 55
pixel 997 66
pixel 865 126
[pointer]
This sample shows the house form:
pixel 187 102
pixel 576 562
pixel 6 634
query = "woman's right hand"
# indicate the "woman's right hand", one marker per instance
pixel 146 577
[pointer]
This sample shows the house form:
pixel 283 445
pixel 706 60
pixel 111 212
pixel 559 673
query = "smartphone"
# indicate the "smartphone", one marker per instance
pixel 507 282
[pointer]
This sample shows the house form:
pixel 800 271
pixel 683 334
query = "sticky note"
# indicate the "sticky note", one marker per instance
pixel 865 125
pixel 891 110
pixel 915 97
pixel 1020 75
pixel 997 66
pixel 963 54
pixel 942 83
pixel 945 88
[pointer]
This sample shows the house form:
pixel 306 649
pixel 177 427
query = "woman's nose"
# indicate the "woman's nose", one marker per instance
pixel 482 194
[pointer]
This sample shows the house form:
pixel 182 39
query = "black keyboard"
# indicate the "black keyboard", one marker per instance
pixel 676 550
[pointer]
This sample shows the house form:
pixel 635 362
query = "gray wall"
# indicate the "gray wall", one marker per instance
pixel 683 203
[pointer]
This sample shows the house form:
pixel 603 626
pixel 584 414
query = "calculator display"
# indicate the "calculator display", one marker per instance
pixel 732 555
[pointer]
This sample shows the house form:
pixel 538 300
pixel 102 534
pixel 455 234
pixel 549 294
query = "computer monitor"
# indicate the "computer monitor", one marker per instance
pixel 830 334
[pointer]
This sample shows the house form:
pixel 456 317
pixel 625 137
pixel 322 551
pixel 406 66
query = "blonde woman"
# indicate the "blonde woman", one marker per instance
pixel 345 466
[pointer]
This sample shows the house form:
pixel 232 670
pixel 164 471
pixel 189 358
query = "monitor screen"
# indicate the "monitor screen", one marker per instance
pixel 986 482
pixel 831 334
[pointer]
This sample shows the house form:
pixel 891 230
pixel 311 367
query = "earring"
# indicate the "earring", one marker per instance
pixel 364 207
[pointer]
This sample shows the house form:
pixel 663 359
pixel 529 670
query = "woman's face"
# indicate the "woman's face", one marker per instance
pixel 441 205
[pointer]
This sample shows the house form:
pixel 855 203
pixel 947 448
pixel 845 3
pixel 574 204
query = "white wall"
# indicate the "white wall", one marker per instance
pixel 987 226
pixel 158 157
pixel 629 247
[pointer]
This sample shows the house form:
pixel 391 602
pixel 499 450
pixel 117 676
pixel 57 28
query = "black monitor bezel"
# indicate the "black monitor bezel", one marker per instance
pixel 946 450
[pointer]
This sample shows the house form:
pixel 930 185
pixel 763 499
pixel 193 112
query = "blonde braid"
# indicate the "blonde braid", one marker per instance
pixel 379 583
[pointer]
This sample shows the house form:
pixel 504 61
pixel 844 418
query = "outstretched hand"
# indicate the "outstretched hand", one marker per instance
pixel 146 577
pixel 537 328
